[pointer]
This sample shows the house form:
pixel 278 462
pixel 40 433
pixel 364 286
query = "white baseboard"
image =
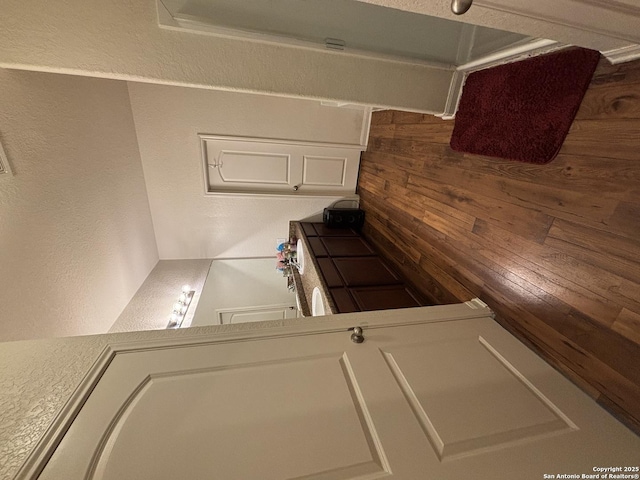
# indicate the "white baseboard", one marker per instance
pixel 455 92
pixel 508 55
pixel 623 54
pixel 366 127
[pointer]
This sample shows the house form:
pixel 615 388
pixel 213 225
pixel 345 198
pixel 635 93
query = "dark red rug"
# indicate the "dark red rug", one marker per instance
pixel 523 111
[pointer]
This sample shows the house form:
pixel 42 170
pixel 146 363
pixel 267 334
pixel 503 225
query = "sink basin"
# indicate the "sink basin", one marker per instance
pixel 317 304
pixel 300 256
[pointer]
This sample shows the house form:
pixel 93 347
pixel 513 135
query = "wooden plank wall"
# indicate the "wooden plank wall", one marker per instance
pixel 553 249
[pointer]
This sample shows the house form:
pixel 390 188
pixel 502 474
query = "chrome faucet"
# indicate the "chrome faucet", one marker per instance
pixel 290 264
pixel 290 260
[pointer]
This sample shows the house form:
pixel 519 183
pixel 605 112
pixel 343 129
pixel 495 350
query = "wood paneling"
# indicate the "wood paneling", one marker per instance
pixel 553 249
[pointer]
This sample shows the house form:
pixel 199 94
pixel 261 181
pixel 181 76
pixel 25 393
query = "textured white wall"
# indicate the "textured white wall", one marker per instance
pixel 121 39
pixel 151 306
pixel 76 238
pixel 241 282
pixel 189 224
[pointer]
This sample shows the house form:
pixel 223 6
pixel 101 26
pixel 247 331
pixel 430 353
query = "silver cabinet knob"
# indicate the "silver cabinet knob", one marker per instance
pixel 296 187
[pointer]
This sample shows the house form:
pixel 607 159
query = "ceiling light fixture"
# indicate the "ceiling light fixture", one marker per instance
pixel 181 307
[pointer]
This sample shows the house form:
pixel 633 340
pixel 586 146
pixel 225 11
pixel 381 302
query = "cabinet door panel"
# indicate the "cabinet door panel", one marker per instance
pixel 384 298
pixel 331 276
pixel 347 247
pixel 364 271
pixel 317 247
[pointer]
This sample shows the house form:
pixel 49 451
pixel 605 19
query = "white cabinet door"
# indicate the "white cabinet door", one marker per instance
pixel 445 400
pixel 256 314
pixel 245 165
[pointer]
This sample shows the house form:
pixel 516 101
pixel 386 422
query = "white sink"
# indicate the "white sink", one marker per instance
pixel 300 256
pixel 317 304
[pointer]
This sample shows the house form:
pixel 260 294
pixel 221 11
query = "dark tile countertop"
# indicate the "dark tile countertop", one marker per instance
pixel 311 277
